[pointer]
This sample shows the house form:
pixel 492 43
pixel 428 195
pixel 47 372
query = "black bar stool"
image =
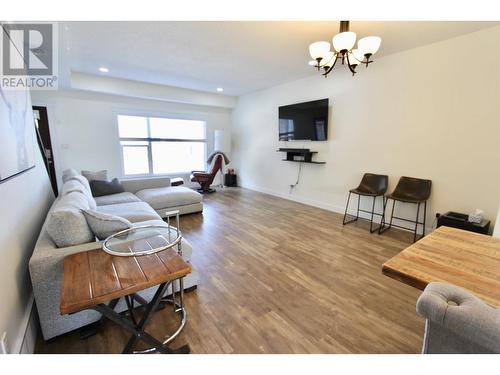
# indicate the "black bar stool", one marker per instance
pixel 408 190
pixel 371 185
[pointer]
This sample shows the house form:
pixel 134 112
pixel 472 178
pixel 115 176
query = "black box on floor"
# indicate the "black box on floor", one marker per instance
pixel 455 220
pixel 230 179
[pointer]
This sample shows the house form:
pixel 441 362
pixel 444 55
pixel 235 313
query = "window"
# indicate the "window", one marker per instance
pixel 287 129
pixel 154 145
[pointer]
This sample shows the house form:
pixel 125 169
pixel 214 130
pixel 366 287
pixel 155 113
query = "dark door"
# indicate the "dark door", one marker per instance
pixel 43 137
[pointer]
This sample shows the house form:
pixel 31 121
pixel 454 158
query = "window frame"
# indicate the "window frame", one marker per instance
pixel 149 141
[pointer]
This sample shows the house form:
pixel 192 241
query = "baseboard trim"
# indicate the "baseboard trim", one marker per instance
pixel 26 340
pixel 314 203
pixel 290 197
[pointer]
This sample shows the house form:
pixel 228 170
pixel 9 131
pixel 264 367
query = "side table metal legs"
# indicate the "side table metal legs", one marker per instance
pixel 178 308
pixel 138 328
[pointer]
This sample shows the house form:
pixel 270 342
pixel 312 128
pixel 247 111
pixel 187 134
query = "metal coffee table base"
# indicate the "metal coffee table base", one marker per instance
pixel 137 328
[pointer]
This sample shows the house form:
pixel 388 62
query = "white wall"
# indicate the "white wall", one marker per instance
pixel 24 202
pixel 496 232
pixel 430 112
pixel 84 129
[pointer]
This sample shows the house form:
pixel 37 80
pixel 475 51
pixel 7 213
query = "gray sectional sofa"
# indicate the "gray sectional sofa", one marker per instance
pixel 65 232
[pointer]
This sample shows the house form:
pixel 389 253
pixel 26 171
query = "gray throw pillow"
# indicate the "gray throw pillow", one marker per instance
pixel 97 175
pixel 104 225
pixel 100 188
pixel 66 224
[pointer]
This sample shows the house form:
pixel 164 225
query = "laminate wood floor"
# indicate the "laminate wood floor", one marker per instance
pixel 277 276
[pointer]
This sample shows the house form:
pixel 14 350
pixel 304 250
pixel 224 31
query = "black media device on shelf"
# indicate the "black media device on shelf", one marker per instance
pixel 304 121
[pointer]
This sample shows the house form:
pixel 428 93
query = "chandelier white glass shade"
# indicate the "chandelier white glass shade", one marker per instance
pixel 343 49
pixel 358 55
pixel 343 42
pixel 328 59
pixel 370 44
pixel 318 50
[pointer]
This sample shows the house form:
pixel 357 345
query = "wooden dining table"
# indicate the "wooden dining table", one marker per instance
pixel 465 259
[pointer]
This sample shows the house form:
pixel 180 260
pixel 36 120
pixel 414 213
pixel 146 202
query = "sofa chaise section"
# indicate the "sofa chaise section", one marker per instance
pixel 172 198
pixel 158 193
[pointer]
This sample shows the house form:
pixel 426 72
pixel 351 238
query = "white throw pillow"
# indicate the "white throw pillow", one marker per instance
pixel 82 180
pixel 104 225
pixel 71 186
pixel 69 173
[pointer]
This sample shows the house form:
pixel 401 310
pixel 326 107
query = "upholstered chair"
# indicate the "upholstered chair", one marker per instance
pixel 457 322
pixel 205 179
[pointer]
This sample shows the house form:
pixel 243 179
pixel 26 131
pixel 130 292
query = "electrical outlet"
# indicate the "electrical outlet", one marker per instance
pixel 4 347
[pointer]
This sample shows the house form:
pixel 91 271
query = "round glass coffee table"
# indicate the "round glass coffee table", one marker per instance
pixel 146 240
pixel 142 240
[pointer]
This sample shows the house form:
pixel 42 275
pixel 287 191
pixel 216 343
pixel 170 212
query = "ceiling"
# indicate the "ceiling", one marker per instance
pixel 239 56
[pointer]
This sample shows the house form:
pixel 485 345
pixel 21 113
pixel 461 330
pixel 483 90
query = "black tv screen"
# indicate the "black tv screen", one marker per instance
pixel 304 121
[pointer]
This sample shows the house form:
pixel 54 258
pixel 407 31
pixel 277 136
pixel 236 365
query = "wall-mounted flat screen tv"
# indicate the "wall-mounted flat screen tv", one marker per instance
pixel 304 121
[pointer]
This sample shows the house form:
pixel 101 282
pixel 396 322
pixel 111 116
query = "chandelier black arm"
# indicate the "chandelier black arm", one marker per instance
pixel 349 65
pixel 329 70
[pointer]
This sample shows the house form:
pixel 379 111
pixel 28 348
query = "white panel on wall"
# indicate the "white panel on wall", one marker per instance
pixel 222 141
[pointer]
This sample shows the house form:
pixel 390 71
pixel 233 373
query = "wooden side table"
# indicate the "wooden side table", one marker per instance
pixel 93 278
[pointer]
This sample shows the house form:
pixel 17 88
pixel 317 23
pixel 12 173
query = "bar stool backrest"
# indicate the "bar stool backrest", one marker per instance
pixel 373 183
pixel 415 189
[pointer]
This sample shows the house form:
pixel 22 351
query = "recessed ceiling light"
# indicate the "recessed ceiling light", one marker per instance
pixel 103 69
pixel 220 89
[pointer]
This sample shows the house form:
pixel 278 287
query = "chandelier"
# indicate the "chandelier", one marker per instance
pixel 343 49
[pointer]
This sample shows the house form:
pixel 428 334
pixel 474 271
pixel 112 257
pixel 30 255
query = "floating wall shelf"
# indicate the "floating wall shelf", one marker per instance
pixel 300 155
